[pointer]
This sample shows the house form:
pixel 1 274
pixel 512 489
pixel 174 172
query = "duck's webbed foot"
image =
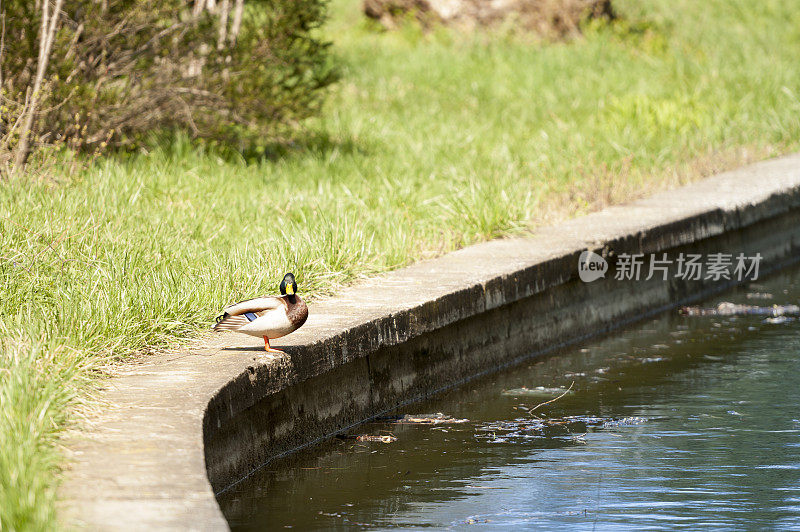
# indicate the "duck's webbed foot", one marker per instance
pixel 269 349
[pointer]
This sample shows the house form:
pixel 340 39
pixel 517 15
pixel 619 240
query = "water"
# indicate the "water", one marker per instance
pixel 681 422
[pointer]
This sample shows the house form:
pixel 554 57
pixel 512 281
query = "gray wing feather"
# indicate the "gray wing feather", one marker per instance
pixel 258 304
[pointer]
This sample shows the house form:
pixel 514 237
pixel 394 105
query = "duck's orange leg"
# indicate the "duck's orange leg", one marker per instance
pixel 269 349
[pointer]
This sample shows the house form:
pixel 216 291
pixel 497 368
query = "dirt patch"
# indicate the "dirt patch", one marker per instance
pixel 549 18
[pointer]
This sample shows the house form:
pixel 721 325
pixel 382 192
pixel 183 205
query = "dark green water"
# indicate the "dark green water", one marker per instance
pixel 680 422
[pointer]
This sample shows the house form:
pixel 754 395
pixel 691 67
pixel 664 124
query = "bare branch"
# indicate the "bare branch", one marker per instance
pixel 552 400
pixel 237 20
pixel 198 8
pixel 48 31
pixel 2 42
pixel 224 8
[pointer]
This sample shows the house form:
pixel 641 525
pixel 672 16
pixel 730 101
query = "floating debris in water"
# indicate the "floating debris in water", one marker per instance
pixel 522 430
pixel 539 391
pixel 580 438
pixel 378 438
pixel 649 360
pixel 759 295
pixel 778 320
pixel 624 422
pixel 731 309
pixel 423 419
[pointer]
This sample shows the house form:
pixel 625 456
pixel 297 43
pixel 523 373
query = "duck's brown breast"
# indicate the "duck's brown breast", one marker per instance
pixel 297 311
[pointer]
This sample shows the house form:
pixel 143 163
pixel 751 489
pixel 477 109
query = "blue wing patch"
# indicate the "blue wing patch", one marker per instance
pixel 250 316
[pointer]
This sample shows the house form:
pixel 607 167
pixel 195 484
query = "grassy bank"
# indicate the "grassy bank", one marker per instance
pixel 429 143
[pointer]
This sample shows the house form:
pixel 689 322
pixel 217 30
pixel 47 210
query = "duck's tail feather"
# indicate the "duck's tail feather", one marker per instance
pixel 226 322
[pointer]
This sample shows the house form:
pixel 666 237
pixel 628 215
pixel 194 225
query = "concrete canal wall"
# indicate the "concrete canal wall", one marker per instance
pixel 183 426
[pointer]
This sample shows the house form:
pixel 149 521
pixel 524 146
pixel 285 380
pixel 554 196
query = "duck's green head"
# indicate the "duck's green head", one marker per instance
pixel 288 285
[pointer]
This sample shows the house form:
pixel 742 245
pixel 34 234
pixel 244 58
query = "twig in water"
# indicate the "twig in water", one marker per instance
pixel 552 400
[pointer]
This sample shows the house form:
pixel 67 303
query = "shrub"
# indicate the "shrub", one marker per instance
pixel 119 69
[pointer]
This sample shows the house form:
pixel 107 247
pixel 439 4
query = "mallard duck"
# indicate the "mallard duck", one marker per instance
pixel 268 316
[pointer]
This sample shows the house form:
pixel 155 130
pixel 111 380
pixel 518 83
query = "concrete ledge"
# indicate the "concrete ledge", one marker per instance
pixel 181 424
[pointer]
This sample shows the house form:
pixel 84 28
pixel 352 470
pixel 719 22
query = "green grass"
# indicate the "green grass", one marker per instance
pixel 429 143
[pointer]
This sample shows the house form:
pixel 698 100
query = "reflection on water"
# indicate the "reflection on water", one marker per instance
pixel 681 422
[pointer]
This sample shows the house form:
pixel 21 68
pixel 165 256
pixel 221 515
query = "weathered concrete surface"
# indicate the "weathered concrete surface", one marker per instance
pixel 225 407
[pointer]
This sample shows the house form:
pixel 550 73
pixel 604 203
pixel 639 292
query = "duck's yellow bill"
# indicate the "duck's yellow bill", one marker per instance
pixel 289 289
